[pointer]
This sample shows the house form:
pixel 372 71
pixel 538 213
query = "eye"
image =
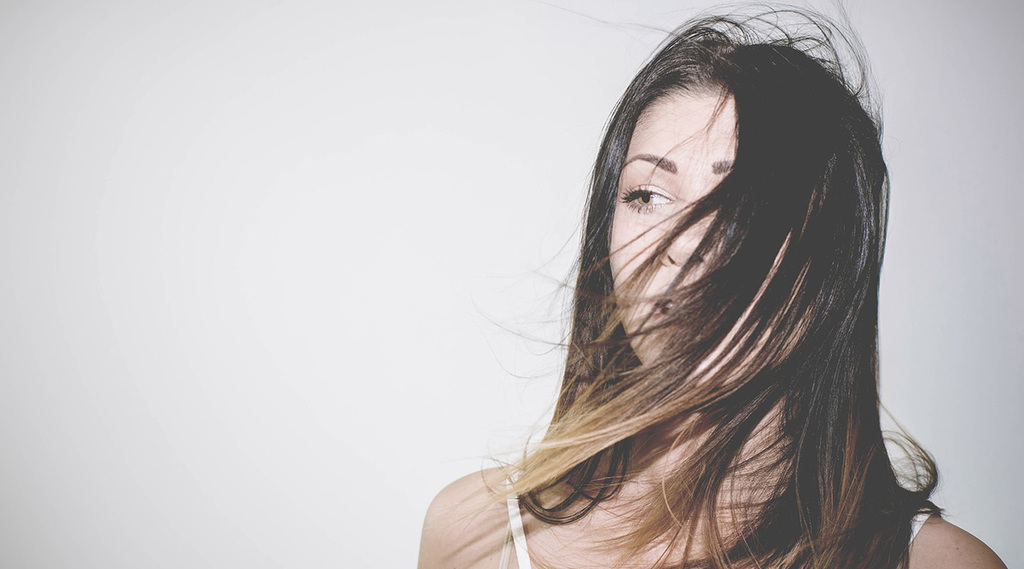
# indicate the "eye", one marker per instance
pixel 644 199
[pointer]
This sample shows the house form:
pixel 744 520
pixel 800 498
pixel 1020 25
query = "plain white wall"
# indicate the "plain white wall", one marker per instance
pixel 273 273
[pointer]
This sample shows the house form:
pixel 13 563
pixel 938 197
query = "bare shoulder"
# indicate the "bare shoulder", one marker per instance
pixel 464 527
pixel 942 545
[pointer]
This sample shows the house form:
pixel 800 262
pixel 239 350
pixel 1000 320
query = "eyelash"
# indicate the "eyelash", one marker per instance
pixel 631 199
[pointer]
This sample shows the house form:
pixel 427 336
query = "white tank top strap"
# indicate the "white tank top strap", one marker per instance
pixel 916 523
pixel 515 522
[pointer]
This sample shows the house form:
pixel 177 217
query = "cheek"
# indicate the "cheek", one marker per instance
pixel 621 246
pixel 632 240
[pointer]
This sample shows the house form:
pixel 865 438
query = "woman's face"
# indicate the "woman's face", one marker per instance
pixel 683 146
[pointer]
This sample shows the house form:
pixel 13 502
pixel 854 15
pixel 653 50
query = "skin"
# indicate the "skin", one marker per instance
pixel 682 147
pixel 675 157
pixel 680 150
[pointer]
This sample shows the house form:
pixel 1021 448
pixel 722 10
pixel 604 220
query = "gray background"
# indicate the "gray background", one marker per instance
pixel 274 273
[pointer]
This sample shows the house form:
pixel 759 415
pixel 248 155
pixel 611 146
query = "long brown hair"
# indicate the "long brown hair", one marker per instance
pixel 768 343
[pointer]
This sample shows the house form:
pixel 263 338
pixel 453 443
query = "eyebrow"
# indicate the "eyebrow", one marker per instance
pixel 659 161
pixel 718 167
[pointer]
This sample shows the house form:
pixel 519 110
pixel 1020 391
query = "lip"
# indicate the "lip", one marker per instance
pixel 662 308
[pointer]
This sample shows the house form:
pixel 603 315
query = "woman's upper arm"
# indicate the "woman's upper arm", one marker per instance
pixel 942 545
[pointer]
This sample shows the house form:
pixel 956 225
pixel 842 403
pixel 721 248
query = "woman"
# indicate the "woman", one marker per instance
pixel 719 405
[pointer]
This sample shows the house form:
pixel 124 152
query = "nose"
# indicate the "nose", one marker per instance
pixel 680 252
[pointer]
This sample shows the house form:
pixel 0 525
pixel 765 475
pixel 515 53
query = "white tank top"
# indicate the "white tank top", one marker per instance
pixel 515 537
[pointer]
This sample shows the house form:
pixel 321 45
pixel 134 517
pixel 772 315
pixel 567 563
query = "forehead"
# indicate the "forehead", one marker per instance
pixel 687 125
